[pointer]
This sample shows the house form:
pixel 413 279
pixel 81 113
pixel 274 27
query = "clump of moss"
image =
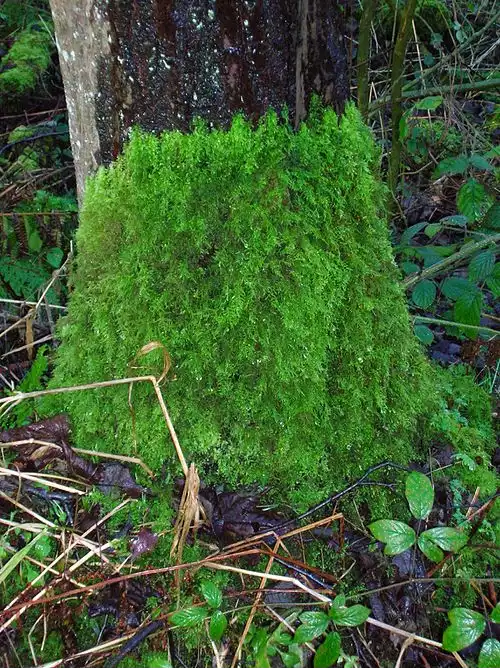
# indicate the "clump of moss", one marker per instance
pixel 260 258
pixel 27 58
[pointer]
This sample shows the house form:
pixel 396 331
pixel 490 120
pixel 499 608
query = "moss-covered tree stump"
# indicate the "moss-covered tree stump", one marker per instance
pixel 260 258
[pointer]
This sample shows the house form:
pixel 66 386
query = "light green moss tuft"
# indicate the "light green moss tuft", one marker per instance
pixel 260 258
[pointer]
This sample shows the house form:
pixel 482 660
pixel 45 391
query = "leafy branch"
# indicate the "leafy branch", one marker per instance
pixel 454 259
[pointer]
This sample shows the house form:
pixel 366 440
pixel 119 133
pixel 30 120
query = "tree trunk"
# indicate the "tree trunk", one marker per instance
pixel 161 63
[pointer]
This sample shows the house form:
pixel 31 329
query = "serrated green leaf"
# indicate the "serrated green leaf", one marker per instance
pixel 467 308
pixel 473 200
pixel 424 293
pixel 466 627
pixel 188 617
pixel 397 536
pixel 495 614
pixel 492 217
pixel 423 334
pixel 429 103
pixel 481 265
pixel 328 652
pixel 431 551
pixel 349 616
pixel 451 166
pixel 419 494
pixel 489 656
pixel 315 625
pixel 217 626
pixel 447 538
pixel 494 285
pixel 432 229
pixel 411 232
pixel 212 594
pixel 479 162
pixel 454 287
pixel 54 257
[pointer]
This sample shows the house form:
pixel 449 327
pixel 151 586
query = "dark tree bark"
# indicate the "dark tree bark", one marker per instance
pixel 161 63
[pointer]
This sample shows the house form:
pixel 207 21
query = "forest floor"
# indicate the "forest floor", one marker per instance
pixel 89 577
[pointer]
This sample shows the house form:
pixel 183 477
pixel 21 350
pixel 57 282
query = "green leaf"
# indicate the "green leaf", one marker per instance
pixel 410 268
pixel 398 536
pixel 314 624
pixel 35 242
pixel 212 594
pixel 447 538
pixel 466 627
pixel 159 661
pixel 217 626
pixel 17 558
pixel 472 200
pixel 451 166
pixel 43 547
pixel 492 217
pixel 339 601
pixel 290 659
pixel 54 257
pixel 467 308
pixel 424 334
pixel 489 656
pixel 456 221
pixel 429 103
pixel 495 614
pixel 479 162
pixel 419 494
pixel 454 287
pixel 189 617
pixel 328 652
pixel 424 293
pixel 429 255
pixel 493 284
pixel 432 229
pixel 351 616
pixel 481 265
pixel 431 551
pixel 411 232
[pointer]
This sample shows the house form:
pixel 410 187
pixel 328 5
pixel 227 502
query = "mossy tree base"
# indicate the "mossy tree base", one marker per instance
pixel 261 260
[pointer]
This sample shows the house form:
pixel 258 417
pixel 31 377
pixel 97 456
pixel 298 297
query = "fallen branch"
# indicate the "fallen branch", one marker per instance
pixel 465 252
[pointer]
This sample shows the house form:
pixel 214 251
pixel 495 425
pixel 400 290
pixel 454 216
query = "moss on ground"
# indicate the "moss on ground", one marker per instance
pixel 261 259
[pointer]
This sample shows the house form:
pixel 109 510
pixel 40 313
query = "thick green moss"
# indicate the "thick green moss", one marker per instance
pixel 260 258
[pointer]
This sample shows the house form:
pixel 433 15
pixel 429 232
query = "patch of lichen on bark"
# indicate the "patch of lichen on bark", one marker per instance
pixel 260 258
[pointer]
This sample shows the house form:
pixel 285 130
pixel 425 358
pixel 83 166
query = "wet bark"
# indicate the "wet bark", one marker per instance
pixel 161 63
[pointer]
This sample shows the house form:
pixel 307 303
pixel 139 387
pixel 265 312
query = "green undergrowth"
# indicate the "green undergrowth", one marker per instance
pixel 260 259
pixel 30 52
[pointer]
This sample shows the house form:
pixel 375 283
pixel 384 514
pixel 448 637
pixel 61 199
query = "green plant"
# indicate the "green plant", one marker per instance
pixel 259 258
pixel 313 625
pixel 466 626
pixel 28 31
pixel 399 536
pixel 33 246
pixel 420 133
pixel 35 379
